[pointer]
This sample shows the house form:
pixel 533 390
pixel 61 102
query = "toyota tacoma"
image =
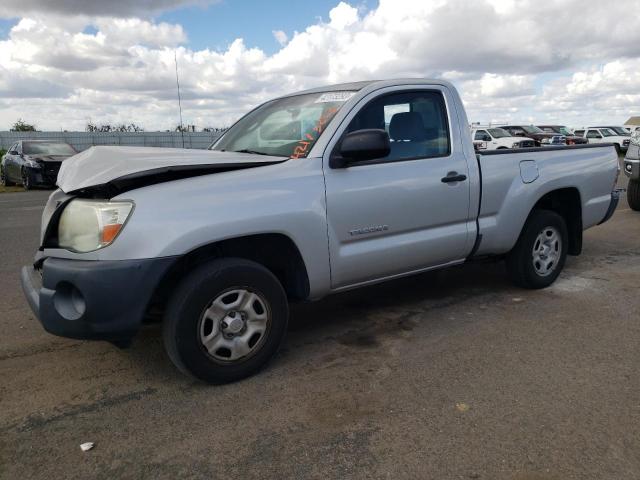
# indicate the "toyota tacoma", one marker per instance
pixel 309 194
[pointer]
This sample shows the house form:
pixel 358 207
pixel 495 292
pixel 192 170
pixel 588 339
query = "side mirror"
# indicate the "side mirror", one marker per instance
pixel 360 146
pixel 13 152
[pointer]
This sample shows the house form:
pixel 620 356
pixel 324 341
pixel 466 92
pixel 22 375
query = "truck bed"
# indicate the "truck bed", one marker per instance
pixel 524 176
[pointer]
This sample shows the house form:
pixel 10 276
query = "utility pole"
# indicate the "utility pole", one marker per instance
pixel 175 57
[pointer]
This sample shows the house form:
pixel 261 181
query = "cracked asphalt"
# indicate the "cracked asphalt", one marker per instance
pixel 448 375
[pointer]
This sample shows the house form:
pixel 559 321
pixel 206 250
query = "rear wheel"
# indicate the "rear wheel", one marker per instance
pixel 633 194
pixel 226 320
pixel 539 255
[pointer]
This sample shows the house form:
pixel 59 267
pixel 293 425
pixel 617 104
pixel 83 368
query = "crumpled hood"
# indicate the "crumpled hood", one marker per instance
pixel 113 170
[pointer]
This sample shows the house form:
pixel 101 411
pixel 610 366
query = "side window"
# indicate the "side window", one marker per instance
pixel 593 134
pixel 548 129
pixel 19 147
pixel 13 148
pixel 579 133
pixel 482 135
pixel 416 122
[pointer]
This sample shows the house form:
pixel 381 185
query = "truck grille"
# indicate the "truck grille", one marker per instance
pixel 527 144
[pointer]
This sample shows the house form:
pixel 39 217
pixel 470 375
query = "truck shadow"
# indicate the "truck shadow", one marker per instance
pixel 400 303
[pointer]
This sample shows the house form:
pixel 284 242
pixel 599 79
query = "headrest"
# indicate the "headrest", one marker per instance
pixel 407 126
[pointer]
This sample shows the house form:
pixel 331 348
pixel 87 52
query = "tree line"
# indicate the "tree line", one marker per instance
pixel 22 126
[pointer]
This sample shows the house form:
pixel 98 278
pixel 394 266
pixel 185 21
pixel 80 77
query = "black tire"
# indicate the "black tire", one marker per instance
pixel 520 261
pixel 26 180
pixel 633 194
pixel 181 325
pixel 4 181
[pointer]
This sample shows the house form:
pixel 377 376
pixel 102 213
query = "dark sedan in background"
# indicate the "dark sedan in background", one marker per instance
pixel 34 163
pixel 540 137
pixel 562 130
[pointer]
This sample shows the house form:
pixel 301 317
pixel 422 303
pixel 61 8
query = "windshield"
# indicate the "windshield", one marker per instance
pixel 47 148
pixel 621 131
pixel 607 132
pixel 286 127
pixel 564 131
pixel 531 129
pixel 498 133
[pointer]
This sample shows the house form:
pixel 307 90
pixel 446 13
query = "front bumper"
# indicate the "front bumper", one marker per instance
pixel 43 177
pixel 97 300
pixel 631 166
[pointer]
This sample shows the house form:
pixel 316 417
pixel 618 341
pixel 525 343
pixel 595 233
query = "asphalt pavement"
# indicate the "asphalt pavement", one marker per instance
pixel 449 375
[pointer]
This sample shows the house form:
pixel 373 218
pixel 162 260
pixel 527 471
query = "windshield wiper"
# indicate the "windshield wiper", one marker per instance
pixel 246 150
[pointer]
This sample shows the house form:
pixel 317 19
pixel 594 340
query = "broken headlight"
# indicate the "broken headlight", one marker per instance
pixel 87 225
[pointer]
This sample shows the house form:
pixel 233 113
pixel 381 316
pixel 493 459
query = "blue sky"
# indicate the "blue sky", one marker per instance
pixel 219 24
pixel 511 60
pixel 5 26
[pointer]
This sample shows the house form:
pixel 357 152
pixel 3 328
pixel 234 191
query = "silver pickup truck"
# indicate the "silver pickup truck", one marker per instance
pixel 309 194
pixel 632 170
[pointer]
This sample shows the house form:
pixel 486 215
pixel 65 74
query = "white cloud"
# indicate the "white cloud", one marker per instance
pixel 281 37
pixel 511 59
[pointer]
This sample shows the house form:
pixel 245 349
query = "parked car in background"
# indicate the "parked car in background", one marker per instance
pixel 622 131
pixel 606 135
pixel 497 138
pixel 34 163
pixel 632 170
pixel 570 138
pixel 309 194
pixel 531 131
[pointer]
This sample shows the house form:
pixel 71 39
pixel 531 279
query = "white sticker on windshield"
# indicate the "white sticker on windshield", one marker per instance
pixel 335 97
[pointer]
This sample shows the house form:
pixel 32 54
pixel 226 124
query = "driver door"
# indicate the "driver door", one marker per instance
pixel 397 214
pixel 594 136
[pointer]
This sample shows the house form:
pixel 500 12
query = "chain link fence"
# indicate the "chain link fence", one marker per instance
pixel 83 140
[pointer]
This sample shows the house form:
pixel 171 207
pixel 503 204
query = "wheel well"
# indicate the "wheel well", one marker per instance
pixel 566 202
pixel 274 251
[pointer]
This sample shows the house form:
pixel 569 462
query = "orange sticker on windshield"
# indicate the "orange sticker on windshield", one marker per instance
pixel 302 149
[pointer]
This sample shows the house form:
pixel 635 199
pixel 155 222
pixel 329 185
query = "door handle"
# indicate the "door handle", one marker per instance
pixel 453 177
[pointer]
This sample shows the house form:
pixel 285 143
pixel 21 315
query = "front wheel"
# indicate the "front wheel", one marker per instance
pixel 26 180
pixel 226 320
pixel 633 194
pixel 539 255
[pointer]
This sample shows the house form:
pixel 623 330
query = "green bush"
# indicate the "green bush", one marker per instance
pixel 2 152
